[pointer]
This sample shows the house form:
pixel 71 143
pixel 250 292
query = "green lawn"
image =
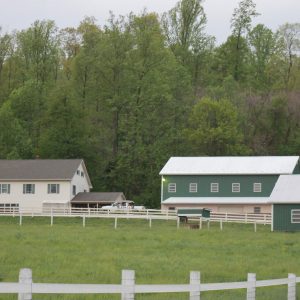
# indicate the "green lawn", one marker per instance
pixel 69 253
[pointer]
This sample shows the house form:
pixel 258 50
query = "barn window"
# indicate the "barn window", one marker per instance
pixel 214 187
pixel 193 188
pixel 28 188
pixel 295 216
pixel 172 187
pixel 4 188
pixel 78 172
pixel 235 187
pixel 53 188
pixel 257 187
pixel 257 210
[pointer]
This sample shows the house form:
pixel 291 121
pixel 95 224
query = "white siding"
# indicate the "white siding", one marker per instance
pixel 36 200
pixel 80 182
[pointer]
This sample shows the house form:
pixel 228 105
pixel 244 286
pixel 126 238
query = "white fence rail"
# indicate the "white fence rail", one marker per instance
pixel 25 288
pixel 154 214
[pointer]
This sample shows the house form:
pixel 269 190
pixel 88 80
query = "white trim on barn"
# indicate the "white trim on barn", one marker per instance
pixel 216 200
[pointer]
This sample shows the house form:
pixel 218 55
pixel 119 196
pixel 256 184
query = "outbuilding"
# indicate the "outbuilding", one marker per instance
pixel 285 200
pixel 232 184
pixel 96 199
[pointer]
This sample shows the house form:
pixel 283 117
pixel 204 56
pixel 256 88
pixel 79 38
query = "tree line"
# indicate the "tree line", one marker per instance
pixel 128 95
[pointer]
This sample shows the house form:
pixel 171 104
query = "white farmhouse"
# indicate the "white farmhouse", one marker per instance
pixel 42 183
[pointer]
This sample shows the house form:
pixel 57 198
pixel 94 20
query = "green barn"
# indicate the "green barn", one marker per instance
pixel 285 200
pixel 226 184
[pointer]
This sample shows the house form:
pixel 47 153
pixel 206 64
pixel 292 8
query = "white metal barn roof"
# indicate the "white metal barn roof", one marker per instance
pixel 216 200
pixel 230 165
pixel 286 190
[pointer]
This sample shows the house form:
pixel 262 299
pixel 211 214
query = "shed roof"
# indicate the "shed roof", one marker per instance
pixel 39 169
pixel 98 197
pixel 216 200
pixel 286 190
pixel 230 165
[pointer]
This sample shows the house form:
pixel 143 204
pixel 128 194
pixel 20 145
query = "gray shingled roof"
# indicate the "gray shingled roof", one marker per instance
pixel 38 169
pixel 97 197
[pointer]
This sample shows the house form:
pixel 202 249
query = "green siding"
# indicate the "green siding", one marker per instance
pixel 225 184
pixel 297 169
pixel 282 217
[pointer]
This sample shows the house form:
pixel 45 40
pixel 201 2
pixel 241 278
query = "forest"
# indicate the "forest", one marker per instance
pixel 128 95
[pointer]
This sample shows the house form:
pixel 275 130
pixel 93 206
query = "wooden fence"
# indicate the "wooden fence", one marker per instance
pixel 148 214
pixel 25 288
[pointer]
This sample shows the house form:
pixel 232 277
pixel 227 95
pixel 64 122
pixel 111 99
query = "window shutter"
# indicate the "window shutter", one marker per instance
pixel 33 189
pixel 57 188
pixel 8 188
pixel 24 189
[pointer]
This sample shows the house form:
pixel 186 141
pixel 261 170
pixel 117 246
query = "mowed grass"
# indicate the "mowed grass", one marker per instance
pixel 69 253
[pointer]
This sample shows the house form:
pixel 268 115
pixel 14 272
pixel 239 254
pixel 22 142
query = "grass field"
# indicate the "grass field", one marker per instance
pixel 69 253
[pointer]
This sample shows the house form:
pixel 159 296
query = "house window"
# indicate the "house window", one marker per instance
pixel 9 207
pixel 257 187
pixel 257 210
pixel 28 188
pixel 82 174
pixel 78 172
pixel 295 216
pixel 172 187
pixel 4 188
pixel 214 187
pixel 74 190
pixel 235 187
pixel 53 188
pixel 193 188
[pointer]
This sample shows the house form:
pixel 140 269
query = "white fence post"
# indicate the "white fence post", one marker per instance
pixel 25 278
pixel 20 219
pixel 178 222
pixel 200 223
pixel 150 222
pixel 292 287
pixel 251 286
pixel 128 282
pixel 195 284
pixel 221 224
pixel 83 221
pixel 116 222
pixel 255 226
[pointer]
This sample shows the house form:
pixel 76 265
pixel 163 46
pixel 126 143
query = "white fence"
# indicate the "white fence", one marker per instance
pixel 148 214
pixel 25 288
